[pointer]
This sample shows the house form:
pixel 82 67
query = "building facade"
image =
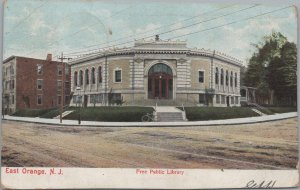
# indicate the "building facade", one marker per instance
pixel 156 71
pixel 30 83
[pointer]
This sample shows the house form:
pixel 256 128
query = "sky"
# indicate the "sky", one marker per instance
pixel 33 28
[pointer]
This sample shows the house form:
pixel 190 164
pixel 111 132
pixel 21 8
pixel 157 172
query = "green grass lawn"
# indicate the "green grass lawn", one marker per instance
pixel 215 113
pixel 126 113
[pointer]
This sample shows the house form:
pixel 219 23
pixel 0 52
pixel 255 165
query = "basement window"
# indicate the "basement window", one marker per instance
pixel 201 98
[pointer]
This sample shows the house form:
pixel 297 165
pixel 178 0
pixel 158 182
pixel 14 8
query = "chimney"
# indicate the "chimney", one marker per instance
pixel 49 57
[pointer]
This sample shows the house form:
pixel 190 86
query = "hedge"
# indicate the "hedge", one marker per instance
pixel 32 112
pixel 282 109
pixel 215 113
pixel 120 113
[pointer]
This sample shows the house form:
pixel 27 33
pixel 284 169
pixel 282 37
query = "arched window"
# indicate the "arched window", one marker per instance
pixel 235 79
pixel 75 78
pixel 160 68
pixel 93 76
pixel 231 79
pixel 87 76
pixel 80 77
pixel 222 77
pixel 217 75
pixel 100 74
pixel 226 78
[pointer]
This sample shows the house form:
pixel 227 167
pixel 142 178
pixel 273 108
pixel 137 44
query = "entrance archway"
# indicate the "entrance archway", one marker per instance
pixel 160 82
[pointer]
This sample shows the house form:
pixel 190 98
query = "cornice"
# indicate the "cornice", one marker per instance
pixel 189 52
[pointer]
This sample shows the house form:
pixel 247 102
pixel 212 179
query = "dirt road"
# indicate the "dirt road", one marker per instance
pixel 270 145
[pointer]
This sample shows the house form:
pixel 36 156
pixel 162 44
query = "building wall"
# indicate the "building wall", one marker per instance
pixel 98 86
pixel 200 64
pixel 226 90
pixel 134 85
pixel 9 86
pixel 124 66
pixel 26 91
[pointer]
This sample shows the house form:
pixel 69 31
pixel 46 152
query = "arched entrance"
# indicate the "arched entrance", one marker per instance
pixel 160 82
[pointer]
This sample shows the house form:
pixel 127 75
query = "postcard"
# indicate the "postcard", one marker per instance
pixel 149 94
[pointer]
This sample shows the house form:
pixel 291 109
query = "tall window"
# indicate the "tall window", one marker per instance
pixel 231 79
pixel 39 99
pixel 87 76
pixel 93 76
pixel 118 76
pixel 59 70
pixel 235 79
pixel 222 77
pixel 100 74
pixel 217 76
pixel 12 84
pixel 80 77
pixel 39 69
pixel 58 99
pixel 40 84
pixel 59 85
pixel 75 78
pixel 11 70
pixel 201 76
pixel 226 79
pixel 12 99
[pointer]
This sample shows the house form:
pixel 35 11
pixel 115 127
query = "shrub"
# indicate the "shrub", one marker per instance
pixel 128 114
pixel 215 113
pixel 31 112
pixel 51 114
pixel 283 109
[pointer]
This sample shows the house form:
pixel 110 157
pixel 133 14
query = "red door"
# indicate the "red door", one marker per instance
pixel 158 86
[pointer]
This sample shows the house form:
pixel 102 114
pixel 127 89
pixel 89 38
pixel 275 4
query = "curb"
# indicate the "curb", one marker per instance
pixel 237 121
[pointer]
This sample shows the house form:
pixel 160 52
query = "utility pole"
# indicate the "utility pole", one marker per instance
pixel 105 84
pixel 62 58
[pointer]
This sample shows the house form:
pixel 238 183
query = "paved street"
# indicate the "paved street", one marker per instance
pixel 269 145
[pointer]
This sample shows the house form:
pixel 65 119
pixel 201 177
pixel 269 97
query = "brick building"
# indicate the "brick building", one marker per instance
pixel 30 83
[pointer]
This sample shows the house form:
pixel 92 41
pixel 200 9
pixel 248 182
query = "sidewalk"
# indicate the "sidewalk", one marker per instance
pixel 155 124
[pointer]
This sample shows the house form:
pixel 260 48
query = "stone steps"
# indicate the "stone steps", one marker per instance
pixel 258 112
pixel 64 114
pixel 169 116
